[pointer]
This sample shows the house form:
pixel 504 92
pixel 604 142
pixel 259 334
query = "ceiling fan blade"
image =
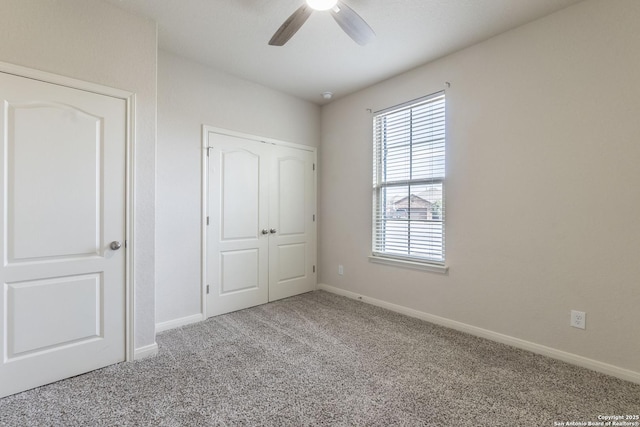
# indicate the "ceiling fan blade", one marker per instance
pixel 291 26
pixel 352 24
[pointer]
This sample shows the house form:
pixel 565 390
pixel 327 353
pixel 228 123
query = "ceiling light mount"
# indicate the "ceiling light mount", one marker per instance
pixel 322 4
pixel 327 95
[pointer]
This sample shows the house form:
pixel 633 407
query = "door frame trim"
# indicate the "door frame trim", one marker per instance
pixel 130 99
pixel 206 129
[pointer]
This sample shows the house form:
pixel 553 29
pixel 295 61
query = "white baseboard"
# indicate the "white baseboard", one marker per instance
pixel 176 323
pixel 571 358
pixel 146 351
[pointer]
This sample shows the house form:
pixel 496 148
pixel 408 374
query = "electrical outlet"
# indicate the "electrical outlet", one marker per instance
pixel 340 270
pixel 578 319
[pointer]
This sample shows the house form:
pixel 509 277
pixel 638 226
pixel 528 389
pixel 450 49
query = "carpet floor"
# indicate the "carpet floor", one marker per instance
pixel 321 359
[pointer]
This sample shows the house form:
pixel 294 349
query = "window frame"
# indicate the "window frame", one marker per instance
pixel 380 185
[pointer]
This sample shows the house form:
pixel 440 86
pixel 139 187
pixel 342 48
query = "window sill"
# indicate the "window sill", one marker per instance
pixel 433 268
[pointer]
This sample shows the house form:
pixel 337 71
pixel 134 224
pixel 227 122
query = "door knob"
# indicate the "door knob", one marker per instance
pixel 272 231
pixel 265 231
pixel 115 245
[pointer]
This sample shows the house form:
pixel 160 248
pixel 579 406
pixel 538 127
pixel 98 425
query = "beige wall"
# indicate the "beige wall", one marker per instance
pixel 92 41
pixel 543 151
pixel 542 200
pixel 191 95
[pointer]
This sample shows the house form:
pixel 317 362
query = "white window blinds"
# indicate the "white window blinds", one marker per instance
pixel 408 178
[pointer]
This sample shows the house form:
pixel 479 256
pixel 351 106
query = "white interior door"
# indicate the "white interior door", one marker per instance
pixel 238 239
pixel 63 203
pixel 292 251
pixel 261 234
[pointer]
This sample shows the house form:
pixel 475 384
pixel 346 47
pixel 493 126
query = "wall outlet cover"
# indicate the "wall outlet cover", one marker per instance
pixel 578 319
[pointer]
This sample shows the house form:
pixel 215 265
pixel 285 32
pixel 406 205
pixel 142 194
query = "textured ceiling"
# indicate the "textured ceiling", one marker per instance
pixel 232 36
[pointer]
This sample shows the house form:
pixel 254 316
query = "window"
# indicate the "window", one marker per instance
pixel 408 181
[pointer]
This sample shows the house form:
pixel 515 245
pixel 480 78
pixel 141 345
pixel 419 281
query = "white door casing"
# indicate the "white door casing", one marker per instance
pixel 260 241
pixel 63 184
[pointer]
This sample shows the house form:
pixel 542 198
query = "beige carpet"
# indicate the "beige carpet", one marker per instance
pixel 321 359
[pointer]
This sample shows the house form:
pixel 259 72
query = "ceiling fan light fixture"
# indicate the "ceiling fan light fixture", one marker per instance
pixel 350 22
pixel 322 4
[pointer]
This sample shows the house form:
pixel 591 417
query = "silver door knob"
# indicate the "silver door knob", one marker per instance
pixel 115 245
pixel 265 231
pixel 272 231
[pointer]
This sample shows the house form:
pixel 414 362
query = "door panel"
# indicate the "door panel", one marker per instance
pixel 78 313
pixel 237 250
pixel 292 248
pixel 240 187
pixel 63 202
pixel 239 271
pixel 290 185
pixel 292 261
pixel 39 166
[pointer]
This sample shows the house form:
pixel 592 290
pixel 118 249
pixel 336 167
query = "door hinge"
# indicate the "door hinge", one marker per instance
pixel 314 268
pixel 314 218
pixel 125 244
pixel 207 220
pixel 208 150
pixel 207 289
pixel 314 166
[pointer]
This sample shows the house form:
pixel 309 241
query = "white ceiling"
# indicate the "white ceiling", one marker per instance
pixel 232 36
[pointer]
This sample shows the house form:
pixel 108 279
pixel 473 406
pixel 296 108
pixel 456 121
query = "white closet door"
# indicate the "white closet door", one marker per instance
pixel 238 233
pixel 292 248
pixel 62 181
pixel 261 236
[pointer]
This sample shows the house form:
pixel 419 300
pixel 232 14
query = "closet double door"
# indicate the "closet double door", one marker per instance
pixel 261 232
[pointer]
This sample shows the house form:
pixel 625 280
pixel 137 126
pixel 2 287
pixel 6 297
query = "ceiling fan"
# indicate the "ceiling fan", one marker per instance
pixel 347 18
